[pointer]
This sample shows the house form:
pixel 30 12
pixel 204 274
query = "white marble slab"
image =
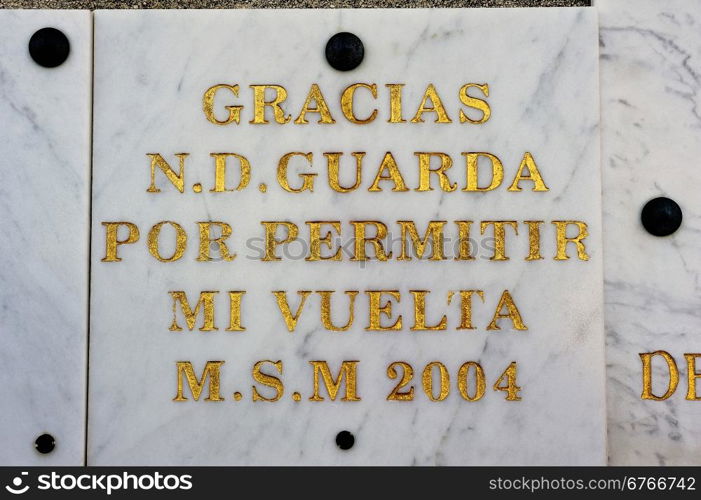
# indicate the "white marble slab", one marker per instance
pixel 45 167
pixel 651 125
pixel 151 70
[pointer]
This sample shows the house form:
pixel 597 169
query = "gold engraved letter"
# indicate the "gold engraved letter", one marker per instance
pixel 267 380
pixel 534 239
pixel 220 172
pixel 235 298
pixel 208 105
pixel 471 160
pixel 259 104
pixel 333 165
pixel 376 309
pixel 180 241
pixel 112 242
pixel 463 379
pixel 646 358
pixel 533 175
pixel 466 308
pixel 206 241
pixel 347 103
pixel 390 165
pixel 206 302
pixel 178 180
pixel 420 312
pixel 395 102
pixel 692 375
pixel 290 319
pixel 512 313
pixel 437 107
pixel 361 240
pixel 315 240
pixel 211 370
pixel 271 243
pixel 474 102
pixel 499 236
pixel 348 368
pixel 307 179
pixel 425 172
pixel 562 239
pixel 464 240
pixel 327 317
pixel 321 107
pixel 427 379
pixel 434 231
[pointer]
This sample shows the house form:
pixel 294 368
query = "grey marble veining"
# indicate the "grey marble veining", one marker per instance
pixel 541 66
pixel 651 146
pixel 44 201
pixel 651 119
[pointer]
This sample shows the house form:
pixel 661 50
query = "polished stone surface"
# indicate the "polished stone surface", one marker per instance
pixel 651 121
pixel 543 92
pixel 44 198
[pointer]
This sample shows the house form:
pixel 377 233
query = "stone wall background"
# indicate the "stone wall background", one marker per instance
pixel 276 4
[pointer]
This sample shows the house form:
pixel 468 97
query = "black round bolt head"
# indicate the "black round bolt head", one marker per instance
pixel 49 47
pixel 661 216
pixel 344 51
pixel 45 443
pixel 345 440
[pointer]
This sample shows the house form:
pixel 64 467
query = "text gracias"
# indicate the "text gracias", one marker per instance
pixel 432 166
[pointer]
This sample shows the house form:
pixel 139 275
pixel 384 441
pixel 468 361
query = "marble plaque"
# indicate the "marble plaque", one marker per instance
pixel 651 117
pixel 247 287
pixel 45 167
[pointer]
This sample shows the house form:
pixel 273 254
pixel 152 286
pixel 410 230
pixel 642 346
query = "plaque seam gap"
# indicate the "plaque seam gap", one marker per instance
pixel 91 132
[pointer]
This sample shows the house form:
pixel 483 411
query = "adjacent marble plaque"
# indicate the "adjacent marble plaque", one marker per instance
pixel 45 167
pixel 651 116
pixel 248 280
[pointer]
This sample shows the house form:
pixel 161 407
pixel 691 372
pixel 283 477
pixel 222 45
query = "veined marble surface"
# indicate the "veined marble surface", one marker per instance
pixel 651 146
pixel 151 70
pixel 45 166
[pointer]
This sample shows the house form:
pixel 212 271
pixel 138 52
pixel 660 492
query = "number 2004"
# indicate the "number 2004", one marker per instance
pixel 471 381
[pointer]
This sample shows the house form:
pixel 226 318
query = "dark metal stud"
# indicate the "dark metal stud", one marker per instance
pixel 45 443
pixel 661 216
pixel 345 440
pixel 49 47
pixel 344 51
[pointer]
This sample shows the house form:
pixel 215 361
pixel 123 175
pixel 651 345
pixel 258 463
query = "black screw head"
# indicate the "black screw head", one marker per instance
pixel 49 47
pixel 45 443
pixel 661 216
pixel 344 51
pixel 345 440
